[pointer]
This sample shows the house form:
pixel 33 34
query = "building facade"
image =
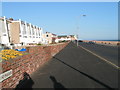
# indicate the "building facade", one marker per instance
pixel 4 31
pixel 66 38
pixel 19 33
pixel 25 33
pixel 50 37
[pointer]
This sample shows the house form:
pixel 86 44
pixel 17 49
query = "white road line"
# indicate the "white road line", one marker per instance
pixel 101 58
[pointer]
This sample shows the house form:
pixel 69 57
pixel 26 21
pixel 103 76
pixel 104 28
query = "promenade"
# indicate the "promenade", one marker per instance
pixel 75 67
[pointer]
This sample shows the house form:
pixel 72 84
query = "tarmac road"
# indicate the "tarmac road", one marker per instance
pixel 75 67
pixel 108 52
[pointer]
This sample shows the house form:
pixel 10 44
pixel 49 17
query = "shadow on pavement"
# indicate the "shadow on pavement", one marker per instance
pixel 86 75
pixel 26 82
pixel 57 85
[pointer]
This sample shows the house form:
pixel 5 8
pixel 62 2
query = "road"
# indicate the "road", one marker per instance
pixel 110 53
pixel 75 67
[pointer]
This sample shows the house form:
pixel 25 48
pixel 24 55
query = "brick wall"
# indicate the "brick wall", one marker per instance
pixel 105 42
pixel 37 56
pixel 108 42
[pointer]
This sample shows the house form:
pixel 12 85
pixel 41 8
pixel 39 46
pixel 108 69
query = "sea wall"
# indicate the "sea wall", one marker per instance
pixel 114 43
pixel 35 57
pixel 108 42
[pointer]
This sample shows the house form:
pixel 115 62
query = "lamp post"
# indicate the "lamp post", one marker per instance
pixel 83 15
pixel 77 39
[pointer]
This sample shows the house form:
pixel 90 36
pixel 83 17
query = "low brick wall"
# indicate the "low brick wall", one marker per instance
pixel 108 42
pixel 114 43
pixel 37 56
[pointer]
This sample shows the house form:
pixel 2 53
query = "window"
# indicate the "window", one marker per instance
pixel 36 32
pixel 39 32
pixel 25 36
pixel 4 35
pixel 2 26
pixel 33 31
pixel 28 28
pixel 24 29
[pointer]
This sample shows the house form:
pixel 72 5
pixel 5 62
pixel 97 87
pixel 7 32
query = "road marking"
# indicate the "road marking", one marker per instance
pixel 101 58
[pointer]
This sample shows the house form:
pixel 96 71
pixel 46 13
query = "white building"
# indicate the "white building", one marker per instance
pixel 4 31
pixel 66 38
pixel 19 33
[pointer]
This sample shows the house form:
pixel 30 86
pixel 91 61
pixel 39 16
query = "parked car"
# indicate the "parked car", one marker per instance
pixel 90 42
pixel 80 41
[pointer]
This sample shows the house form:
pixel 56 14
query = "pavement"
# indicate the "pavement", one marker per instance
pixel 74 67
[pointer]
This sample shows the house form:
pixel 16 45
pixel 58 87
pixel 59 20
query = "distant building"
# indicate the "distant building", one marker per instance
pixel 66 38
pixel 50 37
pixel 73 37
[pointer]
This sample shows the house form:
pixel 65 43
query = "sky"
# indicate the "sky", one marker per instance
pixel 65 18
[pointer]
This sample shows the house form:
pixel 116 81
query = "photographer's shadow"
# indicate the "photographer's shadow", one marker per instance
pixel 26 82
pixel 56 84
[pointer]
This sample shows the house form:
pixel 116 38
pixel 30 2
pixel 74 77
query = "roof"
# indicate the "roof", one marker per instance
pixel 62 36
pixel 54 34
pixel 72 35
pixel 1 18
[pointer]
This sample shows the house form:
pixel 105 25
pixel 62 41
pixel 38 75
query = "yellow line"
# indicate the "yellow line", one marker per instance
pixel 101 58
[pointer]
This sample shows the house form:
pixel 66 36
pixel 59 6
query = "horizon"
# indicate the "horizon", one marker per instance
pixel 104 40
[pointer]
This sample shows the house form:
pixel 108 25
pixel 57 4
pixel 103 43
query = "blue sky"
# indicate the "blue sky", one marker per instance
pixel 101 21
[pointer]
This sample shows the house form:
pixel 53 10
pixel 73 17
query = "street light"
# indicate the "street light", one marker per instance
pixel 78 25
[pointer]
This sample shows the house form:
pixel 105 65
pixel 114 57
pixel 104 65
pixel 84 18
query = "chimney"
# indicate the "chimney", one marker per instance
pixel 11 19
